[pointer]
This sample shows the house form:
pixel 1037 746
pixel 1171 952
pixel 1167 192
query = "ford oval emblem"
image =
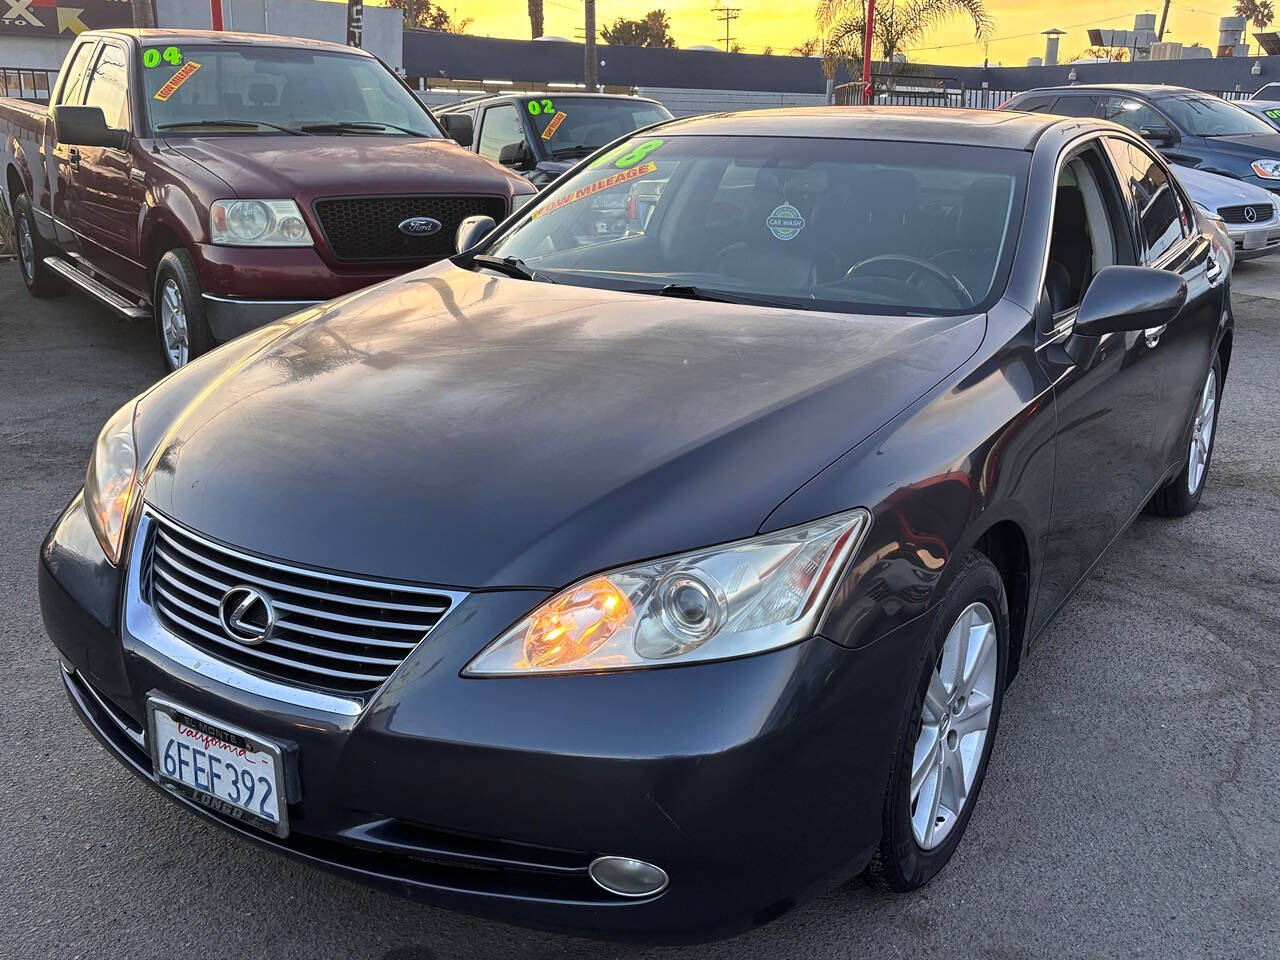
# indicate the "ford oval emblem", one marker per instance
pixel 420 226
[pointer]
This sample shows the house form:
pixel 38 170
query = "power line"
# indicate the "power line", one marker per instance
pixel 1023 36
pixel 727 15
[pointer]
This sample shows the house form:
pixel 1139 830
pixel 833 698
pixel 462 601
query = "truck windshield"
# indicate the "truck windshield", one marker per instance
pixel 826 224
pixel 586 124
pixel 261 89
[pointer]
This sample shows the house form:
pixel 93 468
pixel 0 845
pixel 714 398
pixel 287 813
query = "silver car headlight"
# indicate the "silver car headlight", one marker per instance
pixel 728 601
pixel 258 223
pixel 1267 169
pixel 109 483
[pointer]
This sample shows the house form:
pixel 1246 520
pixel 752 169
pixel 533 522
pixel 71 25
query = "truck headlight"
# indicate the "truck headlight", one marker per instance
pixel 258 223
pixel 110 481
pixel 1267 169
pixel 722 602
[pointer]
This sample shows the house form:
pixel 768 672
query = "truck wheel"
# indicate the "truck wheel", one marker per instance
pixel 40 280
pixel 181 327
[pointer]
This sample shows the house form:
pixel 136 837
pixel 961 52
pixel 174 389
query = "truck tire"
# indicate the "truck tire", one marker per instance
pixel 40 280
pixel 181 327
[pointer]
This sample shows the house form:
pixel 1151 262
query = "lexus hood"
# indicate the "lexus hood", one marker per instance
pixel 475 431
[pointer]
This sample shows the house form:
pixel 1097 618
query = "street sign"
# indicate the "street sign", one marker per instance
pixel 61 18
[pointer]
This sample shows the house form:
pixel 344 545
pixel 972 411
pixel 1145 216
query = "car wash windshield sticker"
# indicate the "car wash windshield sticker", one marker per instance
pixel 554 125
pixel 178 79
pixel 605 183
pixel 537 108
pixel 154 57
pixel 785 222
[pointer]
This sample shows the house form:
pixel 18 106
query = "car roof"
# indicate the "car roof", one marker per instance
pixel 1007 129
pixel 483 98
pixel 1140 89
pixel 176 36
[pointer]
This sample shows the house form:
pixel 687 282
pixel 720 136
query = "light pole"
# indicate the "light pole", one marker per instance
pixel 589 65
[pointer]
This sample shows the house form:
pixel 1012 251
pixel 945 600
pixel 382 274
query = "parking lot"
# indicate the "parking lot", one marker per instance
pixel 1130 809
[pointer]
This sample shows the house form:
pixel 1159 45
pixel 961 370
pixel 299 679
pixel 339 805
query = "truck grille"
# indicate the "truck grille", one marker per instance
pixel 368 228
pixel 334 632
pixel 1240 214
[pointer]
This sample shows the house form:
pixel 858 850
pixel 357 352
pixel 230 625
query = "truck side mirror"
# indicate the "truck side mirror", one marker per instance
pixel 459 127
pixel 515 155
pixel 86 127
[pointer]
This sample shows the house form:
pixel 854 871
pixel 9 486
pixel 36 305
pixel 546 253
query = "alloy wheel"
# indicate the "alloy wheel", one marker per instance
pixel 173 324
pixel 1202 433
pixel 953 725
pixel 26 247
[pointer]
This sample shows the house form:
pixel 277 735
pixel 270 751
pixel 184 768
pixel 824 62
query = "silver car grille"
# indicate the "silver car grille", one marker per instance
pixel 332 631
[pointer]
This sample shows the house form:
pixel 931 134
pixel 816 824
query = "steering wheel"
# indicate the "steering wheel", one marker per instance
pixel 950 280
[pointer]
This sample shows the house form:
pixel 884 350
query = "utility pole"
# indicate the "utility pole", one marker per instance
pixel 726 15
pixel 1164 15
pixel 589 64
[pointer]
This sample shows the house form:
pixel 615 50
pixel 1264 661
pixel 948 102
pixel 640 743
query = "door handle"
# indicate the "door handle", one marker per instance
pixel 74 156
pixel 1213 269
pixel 1153 335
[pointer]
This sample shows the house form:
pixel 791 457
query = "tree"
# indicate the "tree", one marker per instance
pixel 535 18
pixel 1258 12
pixel 653 30
pixel 899 25
pixel 425 15
pixel 1112 54
pixel 768 50
pixel 805 48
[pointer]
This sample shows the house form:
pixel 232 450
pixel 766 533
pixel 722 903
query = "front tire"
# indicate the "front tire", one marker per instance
pixel 39 279
pixel 1182 494
pixel 947 730
pixel 181 327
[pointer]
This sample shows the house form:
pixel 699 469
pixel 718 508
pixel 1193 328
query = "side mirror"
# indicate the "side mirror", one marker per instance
pixel 471 231
pixel 459 127
pixel 515 155
pixel 1159 134
pixel 1122 299
pixel 86 127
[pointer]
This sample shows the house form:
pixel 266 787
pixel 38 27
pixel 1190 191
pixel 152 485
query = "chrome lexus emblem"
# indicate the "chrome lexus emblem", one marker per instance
pixel 1250 214
pixel 420 226
pixel 247 615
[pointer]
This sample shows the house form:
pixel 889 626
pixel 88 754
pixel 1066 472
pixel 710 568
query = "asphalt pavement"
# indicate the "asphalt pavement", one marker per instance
pixel 1130 810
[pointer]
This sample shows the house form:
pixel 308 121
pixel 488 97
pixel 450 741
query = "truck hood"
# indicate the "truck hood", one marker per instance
pixel 266 167
pixel 476 431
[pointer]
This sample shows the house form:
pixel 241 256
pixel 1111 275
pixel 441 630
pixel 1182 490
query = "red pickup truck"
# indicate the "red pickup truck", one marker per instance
pixel 218 181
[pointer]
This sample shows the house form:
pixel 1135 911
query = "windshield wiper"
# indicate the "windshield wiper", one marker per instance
pixel 511 266
pixel 573 153
pixel 338 126
pixel 229 123
pixel 687 291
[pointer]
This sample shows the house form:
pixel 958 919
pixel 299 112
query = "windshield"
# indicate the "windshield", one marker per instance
pixel 261 89
pixel 1211 117
pixel 575 127
pixel 851 225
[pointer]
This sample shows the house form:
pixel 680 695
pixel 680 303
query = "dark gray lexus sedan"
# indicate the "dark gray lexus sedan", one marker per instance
pixel 643 584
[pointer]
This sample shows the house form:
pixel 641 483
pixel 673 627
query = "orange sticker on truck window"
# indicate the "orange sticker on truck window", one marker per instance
pixel 554 125
pixel 635 173
pixel 178 79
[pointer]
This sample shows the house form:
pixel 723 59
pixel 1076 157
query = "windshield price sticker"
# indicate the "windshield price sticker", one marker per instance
pixel 154 57
pixel 537 108
pixel 617 179
pixel 178 79
pixel 554 125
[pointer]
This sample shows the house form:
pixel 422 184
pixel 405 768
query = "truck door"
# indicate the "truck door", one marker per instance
pixel 107 196
pixel 58 166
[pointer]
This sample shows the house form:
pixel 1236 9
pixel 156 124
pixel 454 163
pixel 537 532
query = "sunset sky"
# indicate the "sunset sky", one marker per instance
pixel 1017 24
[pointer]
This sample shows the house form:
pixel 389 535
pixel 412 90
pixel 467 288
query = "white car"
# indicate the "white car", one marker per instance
pixel 1249 213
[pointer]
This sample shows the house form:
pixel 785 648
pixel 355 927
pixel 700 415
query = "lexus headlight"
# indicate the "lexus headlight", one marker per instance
pixel 727 601
pixel 109 481
pixel 258 223
pixel 1267 169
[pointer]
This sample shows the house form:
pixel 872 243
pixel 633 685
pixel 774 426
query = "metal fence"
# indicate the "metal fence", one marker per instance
pixel 27 83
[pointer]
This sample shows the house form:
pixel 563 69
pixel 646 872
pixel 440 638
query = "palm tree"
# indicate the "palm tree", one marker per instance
pixel 535 17
pixel 899 25
pixel 1257 12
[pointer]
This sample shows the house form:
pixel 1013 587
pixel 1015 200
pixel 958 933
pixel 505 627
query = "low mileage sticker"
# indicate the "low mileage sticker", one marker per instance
pixel 554 125
pixel 605 183
pixel 178 79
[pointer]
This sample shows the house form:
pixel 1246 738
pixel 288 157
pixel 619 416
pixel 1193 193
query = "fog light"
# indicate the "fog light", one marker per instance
pixel 627 877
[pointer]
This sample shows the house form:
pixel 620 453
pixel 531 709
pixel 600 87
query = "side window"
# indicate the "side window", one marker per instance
pixel 1076 106
pixel 1132 114
pixel 73 89
pixel 1162 218
pixel 1034 105
pixel 108 87
pixel 501 126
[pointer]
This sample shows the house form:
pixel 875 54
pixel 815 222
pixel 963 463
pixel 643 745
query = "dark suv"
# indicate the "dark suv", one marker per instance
pixel 542 135
pixel 1189 128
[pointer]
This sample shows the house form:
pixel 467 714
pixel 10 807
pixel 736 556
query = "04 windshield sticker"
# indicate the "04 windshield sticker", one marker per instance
pixel 154 57
pixel 554 125
pixel 178 79
pixel 605 183
pixel 785 222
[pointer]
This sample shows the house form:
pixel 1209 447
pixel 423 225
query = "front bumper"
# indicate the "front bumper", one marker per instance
pixel 751 782
pixel 229 317
pixel 1253 240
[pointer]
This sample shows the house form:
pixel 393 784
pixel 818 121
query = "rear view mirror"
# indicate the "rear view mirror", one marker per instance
pixel 459 127
pixel 1122 299
pixel 471 231
pixel 86 127
pixel 515 155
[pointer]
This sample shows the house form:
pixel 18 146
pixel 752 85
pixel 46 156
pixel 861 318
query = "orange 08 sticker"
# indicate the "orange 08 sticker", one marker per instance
pixel 178 79
pixel 605 183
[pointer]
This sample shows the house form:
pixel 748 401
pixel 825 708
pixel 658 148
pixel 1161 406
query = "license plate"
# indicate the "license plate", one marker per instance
pixel 216 765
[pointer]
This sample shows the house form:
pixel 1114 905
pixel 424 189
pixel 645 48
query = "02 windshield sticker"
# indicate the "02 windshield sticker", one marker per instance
pixel 178 79
pixel 605 183
pixel 554 125
pixel 154 57
pixel 785 222
pixel 537 108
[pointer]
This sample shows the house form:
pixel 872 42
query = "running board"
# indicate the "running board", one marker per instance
pixel 96 289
